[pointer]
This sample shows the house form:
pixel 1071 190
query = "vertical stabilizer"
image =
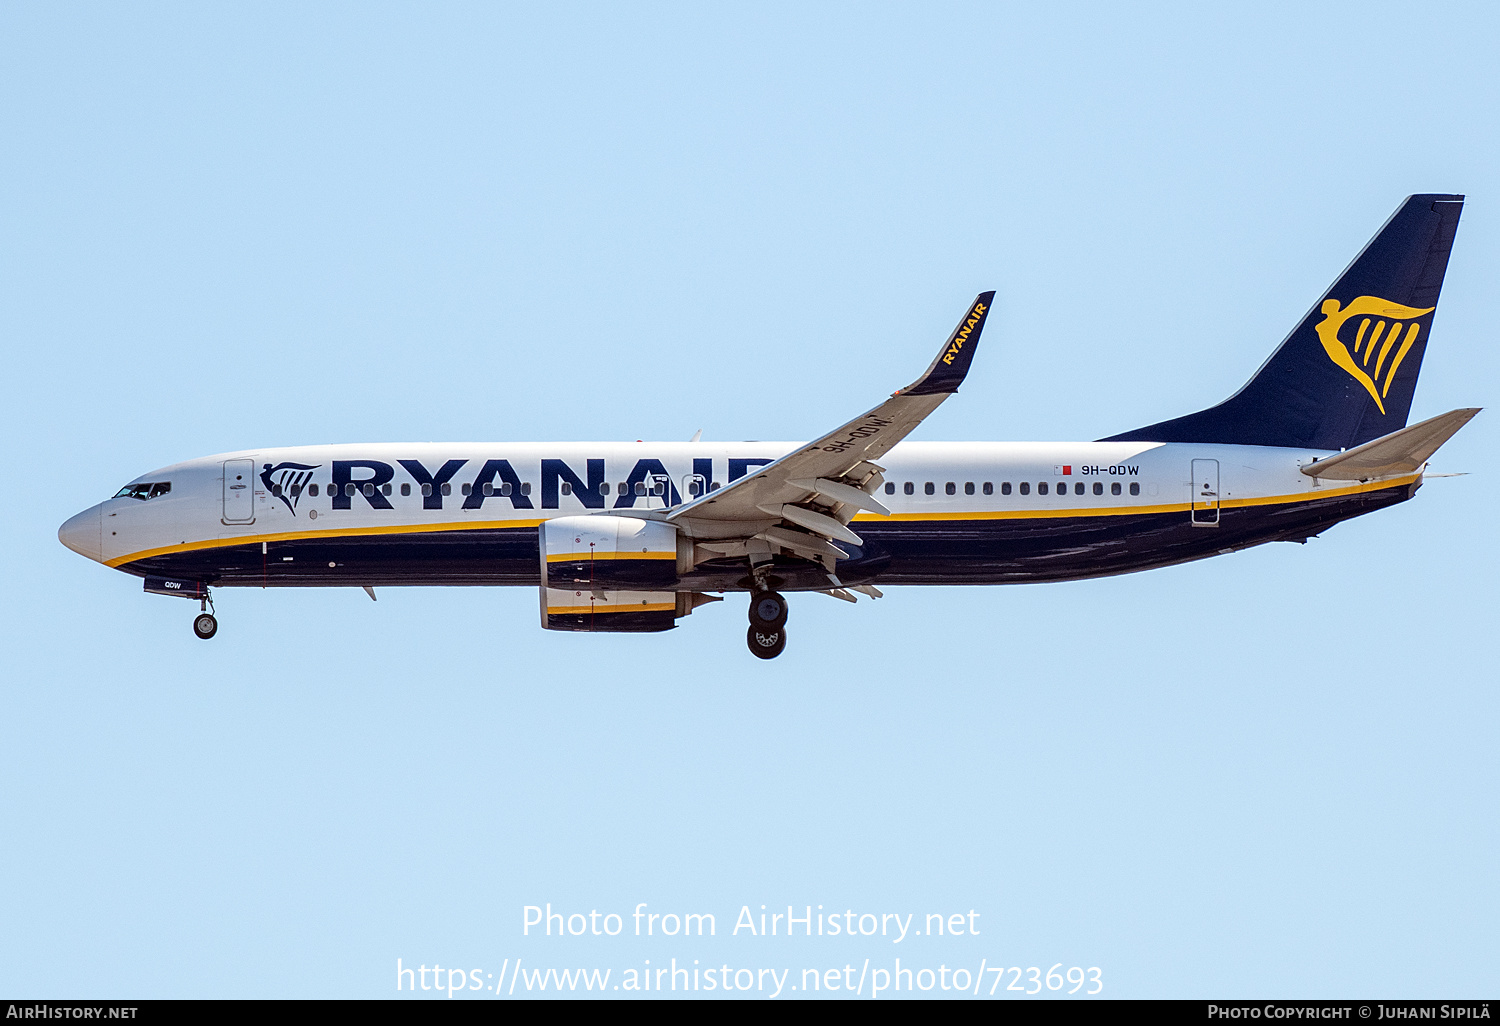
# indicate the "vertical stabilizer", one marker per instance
pixel 1347 373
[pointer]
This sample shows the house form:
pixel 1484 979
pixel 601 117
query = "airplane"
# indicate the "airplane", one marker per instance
pixel 632 537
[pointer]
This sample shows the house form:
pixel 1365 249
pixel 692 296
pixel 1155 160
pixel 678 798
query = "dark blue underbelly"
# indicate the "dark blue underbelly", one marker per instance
pixel 1005 551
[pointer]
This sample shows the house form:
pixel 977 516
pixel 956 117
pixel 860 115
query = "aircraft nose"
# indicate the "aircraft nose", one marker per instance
pixel 81 533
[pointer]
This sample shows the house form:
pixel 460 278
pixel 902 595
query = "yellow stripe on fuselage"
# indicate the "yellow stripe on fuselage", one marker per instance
pixel 607 610
pixel 1025 514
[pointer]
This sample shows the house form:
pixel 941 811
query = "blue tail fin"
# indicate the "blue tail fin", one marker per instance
pixel 1347 373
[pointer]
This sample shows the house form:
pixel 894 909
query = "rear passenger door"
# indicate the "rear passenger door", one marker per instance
pixel 1205 493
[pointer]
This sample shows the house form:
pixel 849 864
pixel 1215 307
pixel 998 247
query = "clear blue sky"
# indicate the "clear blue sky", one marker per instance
pixel 233 226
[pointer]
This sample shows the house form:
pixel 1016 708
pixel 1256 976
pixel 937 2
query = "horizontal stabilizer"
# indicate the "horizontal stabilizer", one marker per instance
pixel 1400 452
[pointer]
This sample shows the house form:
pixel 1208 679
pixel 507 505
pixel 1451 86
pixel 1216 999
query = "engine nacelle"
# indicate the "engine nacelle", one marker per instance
pixel 609 573
pixel 608 552
pixel 619 612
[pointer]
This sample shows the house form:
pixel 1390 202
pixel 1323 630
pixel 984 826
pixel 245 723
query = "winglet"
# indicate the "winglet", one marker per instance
pixel 947 371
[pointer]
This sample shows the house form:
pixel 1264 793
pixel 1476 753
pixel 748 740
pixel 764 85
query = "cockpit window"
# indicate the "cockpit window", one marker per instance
pixel 149 490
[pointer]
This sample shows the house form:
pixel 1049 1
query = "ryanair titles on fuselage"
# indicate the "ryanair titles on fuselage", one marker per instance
pixel 557 477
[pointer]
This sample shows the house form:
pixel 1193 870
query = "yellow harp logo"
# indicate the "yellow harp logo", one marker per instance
pixel 1376 318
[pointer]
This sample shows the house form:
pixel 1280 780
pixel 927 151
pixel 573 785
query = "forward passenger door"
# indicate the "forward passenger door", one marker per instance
pixel 239 491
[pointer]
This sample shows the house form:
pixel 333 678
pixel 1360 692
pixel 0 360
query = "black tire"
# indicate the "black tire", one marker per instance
pixel 768 610
pixel 766 644
pixel 205 626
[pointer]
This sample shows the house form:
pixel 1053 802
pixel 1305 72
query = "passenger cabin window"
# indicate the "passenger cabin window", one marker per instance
pixel 567 488
pixel 447 489
pixel 909 488
pixel 1098 488
pixel 1078 488
pixel 890 488
pixel 466 489
pixel 1114 489
pixel 1041 488
pixel 385 489
pixel 149 490
pixel 406 489
pixel 1135 488
pixel 603 487
pixel 929 488
pixel 525 488
pixel 951 489
pixel 1025 487
pixel 968 487
pixel 312 490
pixel 1004 488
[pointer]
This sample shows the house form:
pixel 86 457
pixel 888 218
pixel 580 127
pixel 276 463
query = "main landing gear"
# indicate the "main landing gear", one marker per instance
pixel 767 635
pixel 204 624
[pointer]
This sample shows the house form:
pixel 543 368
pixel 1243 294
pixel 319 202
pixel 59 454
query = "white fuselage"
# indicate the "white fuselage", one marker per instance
pixel 232 499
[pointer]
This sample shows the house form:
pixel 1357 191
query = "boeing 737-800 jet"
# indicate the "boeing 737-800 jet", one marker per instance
pixel 631 537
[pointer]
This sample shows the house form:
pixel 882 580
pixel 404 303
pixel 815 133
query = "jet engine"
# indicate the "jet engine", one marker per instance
pixel 613 574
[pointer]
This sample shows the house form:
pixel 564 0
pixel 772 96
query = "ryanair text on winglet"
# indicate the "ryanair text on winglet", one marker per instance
pixel 963 333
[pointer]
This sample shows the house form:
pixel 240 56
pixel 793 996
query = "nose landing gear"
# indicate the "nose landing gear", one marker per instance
pixel 767 635
pixel 205 625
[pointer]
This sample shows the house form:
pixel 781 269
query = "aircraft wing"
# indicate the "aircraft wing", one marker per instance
pixel 804 501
